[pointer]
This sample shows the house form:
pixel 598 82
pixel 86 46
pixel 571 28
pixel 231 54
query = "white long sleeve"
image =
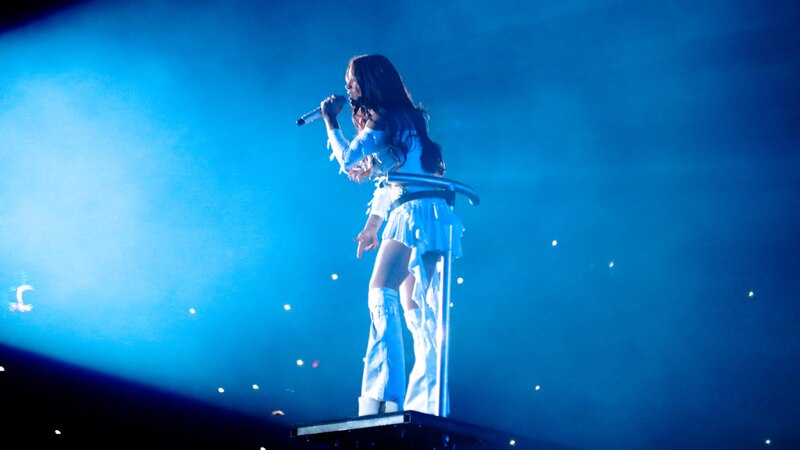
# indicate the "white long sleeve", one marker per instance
pixel 348 154
pixel 337 144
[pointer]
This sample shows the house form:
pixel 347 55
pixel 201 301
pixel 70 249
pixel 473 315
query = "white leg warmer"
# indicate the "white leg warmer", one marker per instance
pixel 423 387
pixel 384 364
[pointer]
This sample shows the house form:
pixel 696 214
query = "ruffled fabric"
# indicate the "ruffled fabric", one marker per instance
pixel 424 225
pixel 382 198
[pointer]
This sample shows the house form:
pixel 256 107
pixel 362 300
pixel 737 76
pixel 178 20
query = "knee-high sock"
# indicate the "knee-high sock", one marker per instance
pixel 423 387
pixel 384 364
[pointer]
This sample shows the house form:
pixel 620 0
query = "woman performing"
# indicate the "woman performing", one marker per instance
pixel 393 136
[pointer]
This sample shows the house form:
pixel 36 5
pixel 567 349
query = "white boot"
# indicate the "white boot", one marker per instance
pixel 390 407
pixel 368 406
pixel 384 378
pixel 423 387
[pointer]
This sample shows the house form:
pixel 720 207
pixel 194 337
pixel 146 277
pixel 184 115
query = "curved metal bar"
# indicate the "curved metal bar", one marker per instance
pixel 438 182
pixel 443 316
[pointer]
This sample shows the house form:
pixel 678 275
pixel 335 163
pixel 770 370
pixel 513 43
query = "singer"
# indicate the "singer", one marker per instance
pixel 392 135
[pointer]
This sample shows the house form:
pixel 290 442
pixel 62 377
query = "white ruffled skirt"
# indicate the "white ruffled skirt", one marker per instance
pixel 424 225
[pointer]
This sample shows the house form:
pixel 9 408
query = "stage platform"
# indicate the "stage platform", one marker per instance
pixel 402 430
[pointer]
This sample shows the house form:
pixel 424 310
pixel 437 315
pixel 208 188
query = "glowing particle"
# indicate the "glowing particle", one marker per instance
pixel 278 412
pixel 334 276
pixel 315 364
pixel 287 307
pixel 611 265
pixel 58 432
pixel 192 311
pixel 554 243
pixel 220 390
pixel 255 387
pixel 768 442
pixel 451 304
pixel 300 362
pixel 2 369
pixel 512 442
pixel 751 294
pixel 460 280
pixel 537 387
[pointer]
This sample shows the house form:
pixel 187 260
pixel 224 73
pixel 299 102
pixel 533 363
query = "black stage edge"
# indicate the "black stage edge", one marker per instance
pixel 412 430
pixel 92 410
pixel 18 13
pixel 402 430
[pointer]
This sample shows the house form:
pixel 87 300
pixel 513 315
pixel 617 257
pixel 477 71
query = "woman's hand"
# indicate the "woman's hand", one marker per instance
pixel 368 237
pixel 360 171
pixel 330 109
pixel 367 240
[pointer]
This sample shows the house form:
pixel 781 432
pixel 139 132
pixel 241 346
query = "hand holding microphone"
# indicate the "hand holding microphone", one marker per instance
pixel 332 107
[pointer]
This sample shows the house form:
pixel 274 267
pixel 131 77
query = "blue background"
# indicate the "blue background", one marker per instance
pixel 150 164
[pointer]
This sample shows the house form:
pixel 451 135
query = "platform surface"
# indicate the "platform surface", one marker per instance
pixel 401 430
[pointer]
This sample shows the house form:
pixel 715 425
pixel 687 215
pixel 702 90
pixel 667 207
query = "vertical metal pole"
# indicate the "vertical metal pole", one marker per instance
pixel 443 331
pixel 443 303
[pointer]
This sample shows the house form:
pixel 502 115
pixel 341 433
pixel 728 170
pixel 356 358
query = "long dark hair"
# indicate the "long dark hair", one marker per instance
pixel 383 91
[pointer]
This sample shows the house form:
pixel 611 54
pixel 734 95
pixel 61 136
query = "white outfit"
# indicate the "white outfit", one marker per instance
pixel 423 225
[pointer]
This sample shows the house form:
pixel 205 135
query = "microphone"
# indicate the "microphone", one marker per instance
pixel 316 113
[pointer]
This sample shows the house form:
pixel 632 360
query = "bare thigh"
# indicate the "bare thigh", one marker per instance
pixel 391 265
